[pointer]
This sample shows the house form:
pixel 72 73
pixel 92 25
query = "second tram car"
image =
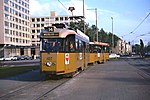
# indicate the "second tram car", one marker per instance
pixel 99 52
pixel 63 51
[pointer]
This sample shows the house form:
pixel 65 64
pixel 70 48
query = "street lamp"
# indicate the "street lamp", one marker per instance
pixel 71 9
pixel 112 34
pixel 96 22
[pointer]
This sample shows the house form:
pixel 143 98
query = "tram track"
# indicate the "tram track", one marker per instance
pixel 36 90
pixel 27 85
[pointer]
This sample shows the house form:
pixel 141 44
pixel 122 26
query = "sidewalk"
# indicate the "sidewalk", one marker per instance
pixel 114 80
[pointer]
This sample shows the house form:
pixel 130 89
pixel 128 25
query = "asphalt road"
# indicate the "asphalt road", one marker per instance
pixel 115 80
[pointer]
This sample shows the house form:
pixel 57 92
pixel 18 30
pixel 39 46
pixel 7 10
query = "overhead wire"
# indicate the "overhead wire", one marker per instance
pixel 140 24
pixel 63 5
pixel 132 32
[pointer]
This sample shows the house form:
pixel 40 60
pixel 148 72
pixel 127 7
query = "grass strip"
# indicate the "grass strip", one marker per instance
pixel 11 71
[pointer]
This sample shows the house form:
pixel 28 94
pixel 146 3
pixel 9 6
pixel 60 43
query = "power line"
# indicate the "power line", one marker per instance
pixel 140 24
pixel 63 5
pixel 140 36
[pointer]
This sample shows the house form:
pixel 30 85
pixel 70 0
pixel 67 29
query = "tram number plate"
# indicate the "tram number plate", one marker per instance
pixel 50 29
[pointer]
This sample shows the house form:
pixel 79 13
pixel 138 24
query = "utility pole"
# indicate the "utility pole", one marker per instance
pixel 83 19
pixel 96 22
pixel 112 35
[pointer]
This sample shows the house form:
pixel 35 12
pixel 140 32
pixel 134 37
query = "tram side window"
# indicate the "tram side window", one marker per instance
pixel 77 45
pixel 87 48
pixel 80 46
pixel 70 44
pixel 91 48
pixel 72 47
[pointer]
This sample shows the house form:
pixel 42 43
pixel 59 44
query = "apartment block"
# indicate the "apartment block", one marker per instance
pixel 38 24
pixel 122 47
pixel 15 37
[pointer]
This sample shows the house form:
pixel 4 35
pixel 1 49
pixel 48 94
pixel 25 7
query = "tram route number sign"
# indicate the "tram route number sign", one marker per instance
pixel 66 58
pixel 50 29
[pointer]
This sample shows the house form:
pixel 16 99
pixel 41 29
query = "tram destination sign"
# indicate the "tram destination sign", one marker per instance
pixel 50 31
pixel 50 34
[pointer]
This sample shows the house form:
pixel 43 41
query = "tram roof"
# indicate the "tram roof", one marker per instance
pixel 100 43
pixel 66 32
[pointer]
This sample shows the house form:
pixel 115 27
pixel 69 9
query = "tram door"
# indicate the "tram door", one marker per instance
pixel 85 54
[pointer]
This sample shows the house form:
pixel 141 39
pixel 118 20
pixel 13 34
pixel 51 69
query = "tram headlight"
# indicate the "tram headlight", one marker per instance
pixel 48 64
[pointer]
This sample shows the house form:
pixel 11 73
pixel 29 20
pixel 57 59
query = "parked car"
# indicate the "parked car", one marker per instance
pixel 113 55
pixel 28 58
pixel 2 58
pixel 7 58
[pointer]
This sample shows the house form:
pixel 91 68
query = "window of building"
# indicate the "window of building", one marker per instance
pixel 10 24
pixel 11 39
pixel 19 20
pixel 6 31
pixel 16 26
pixel 11 32
pixel 32 36
pixel 38 19
pixel 16 19
pixel 42 19
pixel 22 3
pixel 6 8
pixel 19 33
pixel 38 31
pixel 33 25
pixel 23 41
pixel 23 34
pixel 19 14
pixel 6 1
pixel 16 6
pixel 66 18
pixel 38 36
pixel 33 31
pixel 6 23
pixel 16 39
pixel 56 19
pixel 25 16
pixel 61 18
pixel 6 16
pixel 38 25
pixel 42 25
pixel 16 33
pixel 19 7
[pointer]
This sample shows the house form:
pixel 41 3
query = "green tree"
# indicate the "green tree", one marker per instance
pixel 141 47
pixel 136 48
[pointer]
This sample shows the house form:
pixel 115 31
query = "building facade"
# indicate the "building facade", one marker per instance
pixel 15 37
pixel 122 48
pixel 38 24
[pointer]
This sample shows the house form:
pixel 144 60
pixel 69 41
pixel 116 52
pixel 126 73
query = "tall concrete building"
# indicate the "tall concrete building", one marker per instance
pixel 15 37
pixel 38 23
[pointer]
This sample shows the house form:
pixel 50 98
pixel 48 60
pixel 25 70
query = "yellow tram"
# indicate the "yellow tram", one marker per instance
pixel 63 51
pixel 99 52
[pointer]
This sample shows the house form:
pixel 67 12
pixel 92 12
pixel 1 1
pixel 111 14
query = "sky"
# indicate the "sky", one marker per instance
pixel 127 15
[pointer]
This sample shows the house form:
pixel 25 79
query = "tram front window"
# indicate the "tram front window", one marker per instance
pixel 52 45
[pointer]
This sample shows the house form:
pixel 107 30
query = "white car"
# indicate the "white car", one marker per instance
pixel 6 58
pixel 113 55
pixel 1 59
